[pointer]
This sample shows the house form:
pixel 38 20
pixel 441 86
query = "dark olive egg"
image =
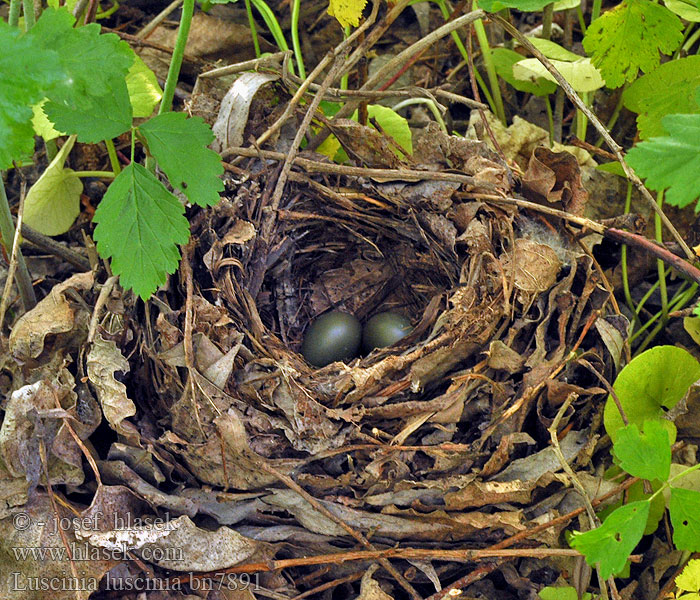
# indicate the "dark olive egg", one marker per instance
pixel 384 329
pixel 333 336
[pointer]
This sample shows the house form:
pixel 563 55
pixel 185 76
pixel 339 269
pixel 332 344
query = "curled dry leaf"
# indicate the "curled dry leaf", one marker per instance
pixel 104 360
pixel 53 315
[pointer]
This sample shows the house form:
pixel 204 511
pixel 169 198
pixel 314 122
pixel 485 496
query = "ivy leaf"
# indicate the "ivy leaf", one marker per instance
pixel 613 542
pixel 53 202
pixel 347 12
pixel 139 225
pixel 672 162
pixel 171 136
pixel 629 37
pixel 684 508
pixel 30 71
pixel 670 89
pixel 646 454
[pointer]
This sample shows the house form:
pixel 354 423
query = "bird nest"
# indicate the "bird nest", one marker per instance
pixel 490 302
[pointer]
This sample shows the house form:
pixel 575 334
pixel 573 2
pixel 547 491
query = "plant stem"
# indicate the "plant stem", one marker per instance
pixel 295 38
pixel 659 263
pixel 7 230
pixel 253 28
pixel 550 119
pixel 429 103
pixel 29 18
pixel 547 15
pixel 13 17
pixel 183 31
pixel 595 10
pixel 113 158
pixel 100 174
pixel 490 69
pixel 274 27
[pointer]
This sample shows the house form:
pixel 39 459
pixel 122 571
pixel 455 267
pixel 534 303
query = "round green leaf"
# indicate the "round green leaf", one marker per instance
pixel 649 385
pixel 685 10
pixel 53 202
pixel 581 74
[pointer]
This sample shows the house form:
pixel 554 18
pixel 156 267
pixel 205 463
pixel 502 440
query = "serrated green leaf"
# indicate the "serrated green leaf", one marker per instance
pixel 581 74
pixel 92 99
pixel 34 70
pixel 670 89
pixel 672 163
pixel 645 454
pixel 684 509
pixel 649 385
pixel 144 90
pixel 171 136
pixel 611 544
pixel 347 12
pixel 522 5
pixel 53 202
pixel 689 579
pixel 96 118
pixel 42 125
pixel 139 225
pixel 629 38
pixel 94 62
pixel 503 61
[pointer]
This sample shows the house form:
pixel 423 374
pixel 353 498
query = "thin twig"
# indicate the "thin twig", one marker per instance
pixel 158 19
pixel 313 166
pixel 15 258
pixel 553 436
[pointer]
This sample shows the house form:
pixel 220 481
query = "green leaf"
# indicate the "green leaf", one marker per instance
pixel 521 5
pixel 144 90
pixel 503 61
pixel 685 10
pixel 92 100
pixel 561 593
pixel 347 12
pixel 552 50
pixel 96 118
pixel 644 454
pixel 581 74
pixel 672 162
pixel 393 124
pixel 670 89
pixel 648 386
pixel 53 202
pixel 684 508
pixel 42 125
pixel 30 72
pixel 630 37
pixel 171 136
pixel 689 579
pixel 139 225
pixel 613 542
